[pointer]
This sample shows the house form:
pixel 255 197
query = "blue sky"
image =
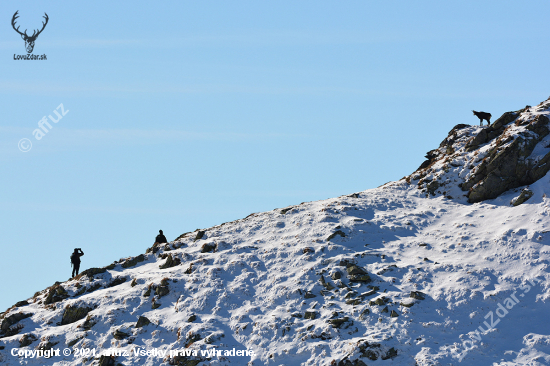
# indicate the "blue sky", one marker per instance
pixel 184 115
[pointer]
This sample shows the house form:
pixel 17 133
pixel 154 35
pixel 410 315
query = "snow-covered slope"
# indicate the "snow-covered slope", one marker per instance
pixel 395 275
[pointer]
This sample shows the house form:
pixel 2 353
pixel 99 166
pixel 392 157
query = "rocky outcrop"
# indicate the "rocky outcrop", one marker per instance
pixel 11 320
pixel 170 262
pixel 485 162
pixel 507 164
pixel 56 293
pixel 74 313
pixel 523 196
pixel 133 261
pixel 142 321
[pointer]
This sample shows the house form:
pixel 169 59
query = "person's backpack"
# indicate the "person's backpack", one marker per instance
pixel 74 258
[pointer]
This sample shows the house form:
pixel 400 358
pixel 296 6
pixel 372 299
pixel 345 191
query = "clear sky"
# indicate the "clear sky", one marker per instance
pixel 186 114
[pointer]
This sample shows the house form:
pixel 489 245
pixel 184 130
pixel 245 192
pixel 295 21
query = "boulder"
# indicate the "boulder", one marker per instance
pixel 162 289
pixel 73 313
pixel 338 322
pixel 417 295
pixel 357 274
pixel 27 339
pixel 56 293
pixel 507 164
pixel 117 281
pixel 200 234
pixel 333 235
pixel 133 261
pixel 523 196
pixel 12 320
pixel 107 361
pixel 208 248
pixel 170 262
pixel 142 321
pixel 120 335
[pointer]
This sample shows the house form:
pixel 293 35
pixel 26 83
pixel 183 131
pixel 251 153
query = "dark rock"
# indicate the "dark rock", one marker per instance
pixel 208 248
pixel 74 313
pixel 507 165
pixel 385 310
pixel 91 272
pixel 309 295
pixel 336 275
pixel 417 295
pixel 392 352
pixel 142 321
pixel 356 274
pixel 310 315
pixel 354 270
pixel 354 302
pixel 88 323
pixel 333 235
pixel 117 281
pixel 364 314
pixel 120 335
pixel 155 248
pixel 368 293
pixel 46 346
pixel 171 261
pixel 393 314
pixel 379 301
pixel 107 360
pixel 347 362
pixel 285 210
pixel 12 320
pixel 479 139
pixel 192 318
pixel 56 293
pixel 524 196
pixel 504 120
pixel 162 289
pixel 200 235
pixel 192 338
pixel 325 284
pixel 21 303
pixel 74 341
pixel 307 250
pixel 337 323
pixel 93 288
pixel 27 339
pixel 133 261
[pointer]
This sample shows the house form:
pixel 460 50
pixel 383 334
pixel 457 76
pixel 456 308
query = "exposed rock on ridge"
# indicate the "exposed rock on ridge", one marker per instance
pixel 485 162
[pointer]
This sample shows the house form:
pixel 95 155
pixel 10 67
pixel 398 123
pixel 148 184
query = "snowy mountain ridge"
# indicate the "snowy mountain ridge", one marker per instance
pixel 409 273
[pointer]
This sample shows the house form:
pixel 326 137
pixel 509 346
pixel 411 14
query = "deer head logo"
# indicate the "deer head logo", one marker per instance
pixel 29 40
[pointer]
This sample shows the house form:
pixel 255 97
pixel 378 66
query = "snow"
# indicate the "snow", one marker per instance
pixel 468 260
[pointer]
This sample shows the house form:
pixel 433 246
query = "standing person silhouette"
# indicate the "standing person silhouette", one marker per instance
pixel 161 238
pixel 75 260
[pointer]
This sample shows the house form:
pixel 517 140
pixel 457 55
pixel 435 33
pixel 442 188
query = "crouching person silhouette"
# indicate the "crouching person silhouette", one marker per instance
pixel 75 260
pixel 161 238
